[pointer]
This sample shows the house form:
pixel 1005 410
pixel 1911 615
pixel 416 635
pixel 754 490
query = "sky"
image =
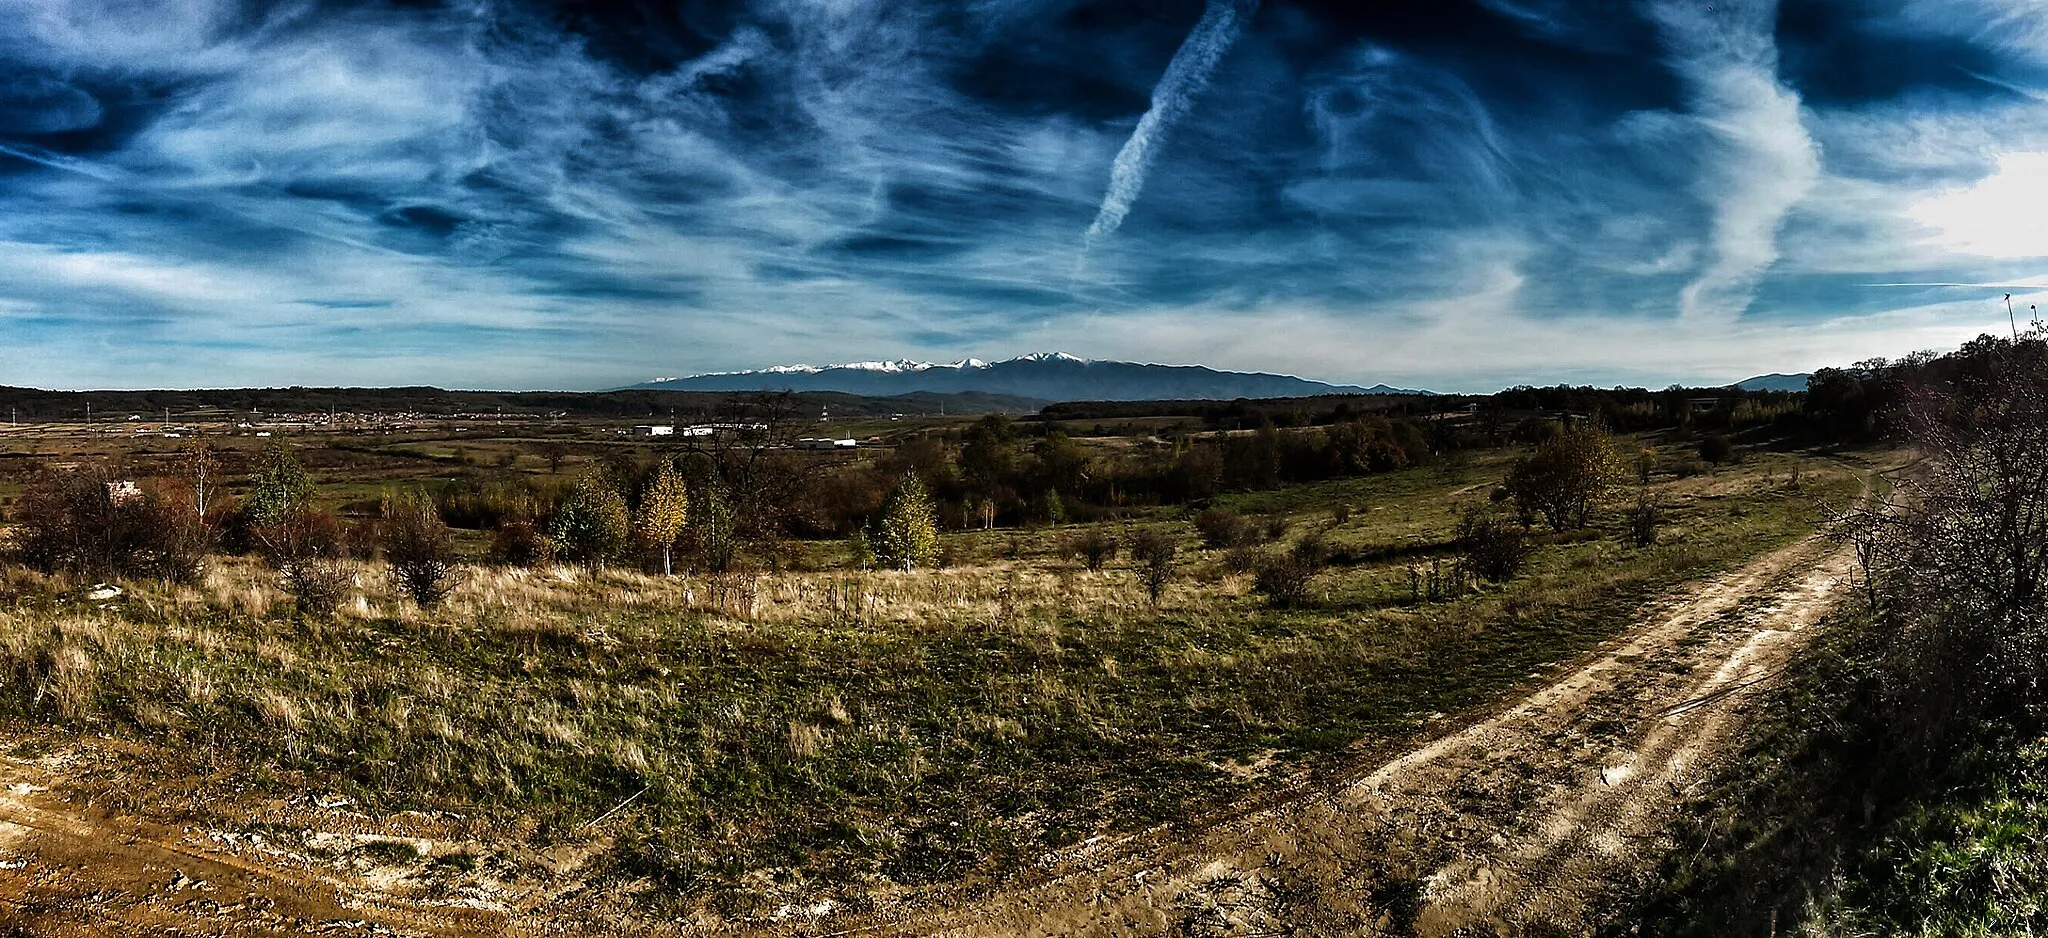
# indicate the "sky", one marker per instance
pixel 1454 194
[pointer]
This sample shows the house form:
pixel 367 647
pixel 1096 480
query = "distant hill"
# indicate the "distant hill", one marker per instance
pixel 30 404
pixel 1047 376
pixel 1774 382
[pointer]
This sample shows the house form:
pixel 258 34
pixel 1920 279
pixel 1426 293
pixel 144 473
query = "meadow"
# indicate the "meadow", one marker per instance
pixel 752 739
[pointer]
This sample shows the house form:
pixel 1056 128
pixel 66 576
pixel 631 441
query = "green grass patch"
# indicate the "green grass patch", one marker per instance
pixel 863 729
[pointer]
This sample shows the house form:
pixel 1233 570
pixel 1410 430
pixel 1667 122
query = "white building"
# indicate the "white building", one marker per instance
pixel 654 430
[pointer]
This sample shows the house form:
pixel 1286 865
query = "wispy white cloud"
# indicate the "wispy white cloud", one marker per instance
pixel 484 196
pixel 1762 162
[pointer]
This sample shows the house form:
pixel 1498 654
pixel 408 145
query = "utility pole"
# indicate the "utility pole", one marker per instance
pixel 2009 318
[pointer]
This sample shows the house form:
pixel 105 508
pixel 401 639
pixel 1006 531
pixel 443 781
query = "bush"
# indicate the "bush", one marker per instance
pixel 1717 450
pixel 317 584
pixel 1093 547
pixel 1313 549
pixel 906 535
pixel 1491 547
pixel 1285 578
pixel 1563 478
pixel 306 532
pixel 591 526
pixel 521 543
pixel 1276 527
pixel 1152 552
pixel 92 524
pixel 1242 559
pixel 1643 521
pixel 714 529
pixel 1222 529
pixel 484 505
pixel 419 548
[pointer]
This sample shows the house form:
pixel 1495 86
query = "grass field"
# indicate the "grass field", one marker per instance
pixel 844 733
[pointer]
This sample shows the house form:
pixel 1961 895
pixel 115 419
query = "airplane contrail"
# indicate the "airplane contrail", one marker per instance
pixel 1185 77
pixel 42 157
pixel 2036 284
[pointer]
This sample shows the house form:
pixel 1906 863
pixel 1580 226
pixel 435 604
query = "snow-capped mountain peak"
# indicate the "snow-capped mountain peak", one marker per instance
pixel 895 366
pixel 892 367
pixel 1040 376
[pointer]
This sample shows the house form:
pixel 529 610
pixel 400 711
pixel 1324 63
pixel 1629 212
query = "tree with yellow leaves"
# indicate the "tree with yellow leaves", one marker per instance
pixel 664 509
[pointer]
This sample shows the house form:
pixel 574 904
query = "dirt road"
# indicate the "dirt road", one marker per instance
pixel 1513 825
pixel 1516 825
pixel 70 869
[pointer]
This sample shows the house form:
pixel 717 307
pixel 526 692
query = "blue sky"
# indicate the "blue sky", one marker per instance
pixel 1458 195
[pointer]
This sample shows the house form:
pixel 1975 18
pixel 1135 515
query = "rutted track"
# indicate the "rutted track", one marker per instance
pixel 66 871
pixel 1518 824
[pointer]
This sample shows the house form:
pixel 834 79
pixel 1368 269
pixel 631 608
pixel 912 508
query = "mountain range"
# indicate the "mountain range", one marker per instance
pixel 1046 376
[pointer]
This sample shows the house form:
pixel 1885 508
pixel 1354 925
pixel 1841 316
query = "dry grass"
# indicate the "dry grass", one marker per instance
pixel 852 729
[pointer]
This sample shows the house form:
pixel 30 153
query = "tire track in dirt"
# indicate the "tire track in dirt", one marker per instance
pixel 1519 824
pixel 67 872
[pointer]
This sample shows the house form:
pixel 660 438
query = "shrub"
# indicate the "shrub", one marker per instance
pixel 87 523
pixel 521 543
pixel 591 526
pixel 1242 559
pixel 419 548
pixel 1285 578
pixel 1276 527
pixel 483 505
pixel 316 584
pixel 714 530
pixel 1645 463
pixel 1152 552
pixel 1313 548
pixel 1491 547
pixel 1643 521
pixel 1717 450
pixel 279 490
pixel 174 542
pixel 1957 561
pixel 906 534
pixel 1093 547
pixel 1222 529
pixel 1563 478
pixel 306 532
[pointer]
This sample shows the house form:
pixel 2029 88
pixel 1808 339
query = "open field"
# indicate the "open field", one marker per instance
pixel 1539 819
pixel 795 746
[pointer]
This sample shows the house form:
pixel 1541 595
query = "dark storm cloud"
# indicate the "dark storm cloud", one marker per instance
pixel 494 192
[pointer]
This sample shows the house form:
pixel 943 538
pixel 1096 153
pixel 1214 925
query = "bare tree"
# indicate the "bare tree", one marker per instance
pixel 1956 557
pixel 201 465
pixel 749 455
